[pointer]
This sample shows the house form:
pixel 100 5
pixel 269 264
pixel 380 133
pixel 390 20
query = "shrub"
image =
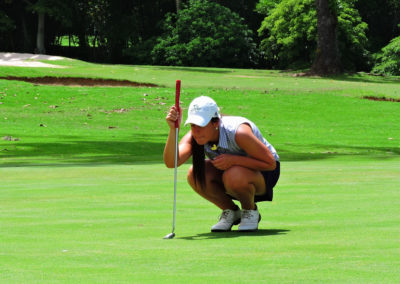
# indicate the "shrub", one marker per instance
pixel 289 33
pixel 388 60
pixel 205 34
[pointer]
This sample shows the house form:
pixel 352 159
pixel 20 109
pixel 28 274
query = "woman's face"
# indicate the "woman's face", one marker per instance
pixel 205 134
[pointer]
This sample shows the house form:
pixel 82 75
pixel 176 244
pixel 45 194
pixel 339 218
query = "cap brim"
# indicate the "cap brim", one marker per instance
pixel 197 120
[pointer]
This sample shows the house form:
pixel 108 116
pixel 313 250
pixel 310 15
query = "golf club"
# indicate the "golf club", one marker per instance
pixel 177 95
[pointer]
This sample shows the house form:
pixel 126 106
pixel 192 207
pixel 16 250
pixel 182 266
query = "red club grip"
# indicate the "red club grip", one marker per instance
pixel 177 95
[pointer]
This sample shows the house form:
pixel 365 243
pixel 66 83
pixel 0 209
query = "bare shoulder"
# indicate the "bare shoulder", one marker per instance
pixel 244 130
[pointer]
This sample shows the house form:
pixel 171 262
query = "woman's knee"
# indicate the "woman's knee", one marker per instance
pixel 192 181
pixel 212 184
pixel 190 177
pixel 235 177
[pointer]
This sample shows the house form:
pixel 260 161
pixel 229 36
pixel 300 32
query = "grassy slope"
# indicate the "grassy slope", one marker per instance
pixel 302 125
pixel 97 212
pixel 266 80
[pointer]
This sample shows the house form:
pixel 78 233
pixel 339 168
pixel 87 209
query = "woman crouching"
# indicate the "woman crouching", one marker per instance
pixel 241 164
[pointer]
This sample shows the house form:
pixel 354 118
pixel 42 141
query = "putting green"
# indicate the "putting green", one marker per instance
pixel 332 220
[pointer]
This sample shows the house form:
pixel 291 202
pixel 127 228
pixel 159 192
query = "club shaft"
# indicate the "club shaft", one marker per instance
pixel 175 177
pixel 177 95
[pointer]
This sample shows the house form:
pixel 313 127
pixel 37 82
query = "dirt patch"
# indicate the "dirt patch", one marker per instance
pixel 383 99
pixel 76 81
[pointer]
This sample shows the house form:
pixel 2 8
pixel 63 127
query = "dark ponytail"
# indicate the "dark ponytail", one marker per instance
pixel 198 157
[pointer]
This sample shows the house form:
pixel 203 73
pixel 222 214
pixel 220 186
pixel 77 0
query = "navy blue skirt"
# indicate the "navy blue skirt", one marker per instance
pixel 271 178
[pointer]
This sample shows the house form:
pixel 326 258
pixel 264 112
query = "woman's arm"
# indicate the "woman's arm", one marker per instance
pixel 185 147
pixel 259 156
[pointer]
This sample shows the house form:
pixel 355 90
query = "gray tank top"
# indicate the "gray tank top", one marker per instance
pixel 227 143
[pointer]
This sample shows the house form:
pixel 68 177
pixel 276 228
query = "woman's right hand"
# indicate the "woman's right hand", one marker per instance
pixel 173 115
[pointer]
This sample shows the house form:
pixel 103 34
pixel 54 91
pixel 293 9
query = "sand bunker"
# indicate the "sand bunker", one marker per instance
pixel 27 60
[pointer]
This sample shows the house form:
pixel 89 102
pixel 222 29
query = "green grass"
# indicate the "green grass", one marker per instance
pixel 221 78
pixel 332 221
pixel 85 203
pixel 73 41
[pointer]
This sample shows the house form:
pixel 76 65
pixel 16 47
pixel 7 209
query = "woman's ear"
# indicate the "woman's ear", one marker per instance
pixel 215 124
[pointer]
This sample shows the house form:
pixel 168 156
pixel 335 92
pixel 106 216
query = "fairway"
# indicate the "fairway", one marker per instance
pixel 85 197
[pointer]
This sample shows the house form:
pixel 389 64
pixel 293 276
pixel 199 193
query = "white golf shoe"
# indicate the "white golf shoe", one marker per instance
pixel 227 220
pixel 249 220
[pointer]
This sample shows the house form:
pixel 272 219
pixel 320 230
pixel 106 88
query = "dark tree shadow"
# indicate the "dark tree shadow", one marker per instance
pixel 322 152
pixel 193 69
pixel 143 149
pixel 65 152
pixel 349 77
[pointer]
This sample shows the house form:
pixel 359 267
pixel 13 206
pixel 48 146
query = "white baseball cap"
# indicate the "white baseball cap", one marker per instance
pixel 201 111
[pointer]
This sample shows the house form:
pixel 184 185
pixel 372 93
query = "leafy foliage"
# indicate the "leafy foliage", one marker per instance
pixel 205 34
pixel 290 33
pixel 352 37
pixel 246 10
pixel 264 6
pixel 131 32
pixel 388 60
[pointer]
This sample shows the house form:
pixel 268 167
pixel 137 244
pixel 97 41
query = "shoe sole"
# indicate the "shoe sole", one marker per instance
pixel 237 222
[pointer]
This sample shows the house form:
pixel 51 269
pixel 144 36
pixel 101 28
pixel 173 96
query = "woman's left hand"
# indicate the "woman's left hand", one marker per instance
pixel 224 161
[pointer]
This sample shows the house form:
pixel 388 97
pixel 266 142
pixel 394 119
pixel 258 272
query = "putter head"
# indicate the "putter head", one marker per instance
pixel 170 236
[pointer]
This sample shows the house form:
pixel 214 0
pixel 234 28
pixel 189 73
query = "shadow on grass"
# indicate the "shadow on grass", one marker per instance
pixel 142 150
pixel 79 153
pixel 352 77
pixel 321 152
pixel 235 234
pixel 193 69
pixel 367 79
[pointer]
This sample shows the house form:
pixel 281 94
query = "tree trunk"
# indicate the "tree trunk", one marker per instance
pixel 40 49
pixel 178 5
pixel 327 59
pixel 27 43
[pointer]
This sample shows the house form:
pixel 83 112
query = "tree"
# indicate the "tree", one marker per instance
pixel 40 34
pixel 205 34
pixel 388 60
pixel 43 9
pixel 178 5
pixel 289 34
pixel 246 10
pixel 327 59
pixel 19 31
pixel 264 7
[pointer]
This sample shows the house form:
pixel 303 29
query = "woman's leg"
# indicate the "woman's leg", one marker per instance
pixel 243 184
pixel 214 190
